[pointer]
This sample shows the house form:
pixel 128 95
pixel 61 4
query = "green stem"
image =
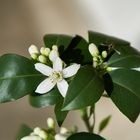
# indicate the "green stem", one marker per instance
pixel 86 119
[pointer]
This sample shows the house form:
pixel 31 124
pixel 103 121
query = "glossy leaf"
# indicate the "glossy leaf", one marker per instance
pixel 18 77
pixel 104 123
pixel 126 92
pixel 124 55
pixel 77 52
pixel 60 115
pixel 62 41
pixel 85 136
pixel 47 99
pixel 99 38
pixel 85 89
pixel 24 131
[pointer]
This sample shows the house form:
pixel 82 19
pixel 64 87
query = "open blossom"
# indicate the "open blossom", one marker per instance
pixel 55 76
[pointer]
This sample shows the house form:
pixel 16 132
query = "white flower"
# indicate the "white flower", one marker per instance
pixel 55 76
pixel 60 137
pixel 33 137
pixel 93 50
pixel 33 50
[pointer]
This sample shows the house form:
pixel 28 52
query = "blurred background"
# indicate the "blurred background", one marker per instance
pixel 24 22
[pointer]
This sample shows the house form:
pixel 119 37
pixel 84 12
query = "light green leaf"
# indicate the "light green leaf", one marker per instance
pixel 85 89
pixel 18 77
pixel 104 123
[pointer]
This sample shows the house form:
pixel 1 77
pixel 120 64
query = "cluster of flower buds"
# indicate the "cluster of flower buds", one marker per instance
pixel 50 133
pixel 44 54
pixel 98 59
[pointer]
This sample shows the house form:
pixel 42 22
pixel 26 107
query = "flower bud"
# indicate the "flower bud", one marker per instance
pixel 60 137
pixel 34 56
pixel 63 130
pixel 37 130
pixel 43 134
pixel 50 123
pixel 33 49
pixel 93 49
pixel 95 64
pixel 53 55
pixel 55 47
pixel 31 138
pixel 109 69
pixel 104 54
pixel 42 59
pixel 45 51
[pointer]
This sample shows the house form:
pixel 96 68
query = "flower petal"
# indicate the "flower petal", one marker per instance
pixel 57 65
pixel 44 69
pixel 53 55
pixel 62 87
pixel 45 86
pixel 71 70
pixel 31 138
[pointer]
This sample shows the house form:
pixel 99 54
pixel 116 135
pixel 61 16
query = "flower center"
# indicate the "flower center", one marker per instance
pixel 57 76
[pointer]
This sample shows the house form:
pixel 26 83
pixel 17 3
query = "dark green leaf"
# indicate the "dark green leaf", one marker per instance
pixel 126 92
pixel 60 115
pixel 104 123
pixel 50 98
pixel 99 38
pixel 62 41
pixel 18 77
pixel 24 131
pixel 85 89
pixel 77 52
pixel 124 55
pixel 85 136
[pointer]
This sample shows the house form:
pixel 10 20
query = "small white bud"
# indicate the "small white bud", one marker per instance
pixel 34 56
pixel 63 130
pixel 33 49
pixel 55 47
pixel 43 134
pixel 50 123
pixel 60 137
pixel 42 59
pixel 95 64
pixel 37 130
pixel 45 51
pixel 93 49
pixel 109 69
pixel 31 138
pixel 53 55
pixel 104 54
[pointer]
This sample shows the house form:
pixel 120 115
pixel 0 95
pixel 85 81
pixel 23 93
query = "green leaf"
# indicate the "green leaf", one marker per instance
pixel 126 58
pixel 99 38
pixel 85 136
pixel 79 50
pixel 62 41
pixel 104 123
pixel 60 115
pixel 124 55
pixel 85 89
pixel 24 131
pixel 126 92
pixel 18 77
pixel 50 98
